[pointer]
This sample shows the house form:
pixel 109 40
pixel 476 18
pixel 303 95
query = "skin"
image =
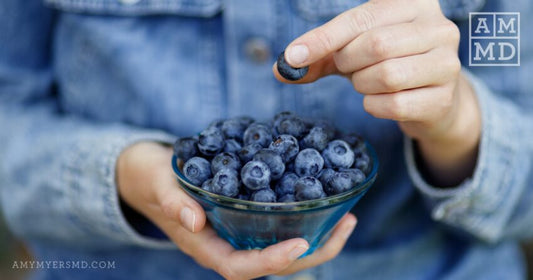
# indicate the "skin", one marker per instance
pixel 402 55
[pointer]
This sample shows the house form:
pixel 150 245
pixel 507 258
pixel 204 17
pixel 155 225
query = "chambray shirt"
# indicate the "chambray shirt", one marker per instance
pixel 80 80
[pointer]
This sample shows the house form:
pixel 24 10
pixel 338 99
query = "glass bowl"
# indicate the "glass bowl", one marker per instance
pixel 256 225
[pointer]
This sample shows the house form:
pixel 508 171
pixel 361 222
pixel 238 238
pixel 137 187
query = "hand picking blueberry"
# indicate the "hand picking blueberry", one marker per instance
pixel 282 160
pixel 288 72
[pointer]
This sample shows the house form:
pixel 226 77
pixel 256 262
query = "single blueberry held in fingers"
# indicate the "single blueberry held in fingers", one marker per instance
pixel 286 184
pixel 225 160
pixel 274 162
pixel 307 188
pixel 197 170
pixel 286 146
pixel 288 72
pixel 248 152
pixel 258 133
pixel 338 154
pixel 226 183
pixel 263 195
pixel 255 175
pixel 308 162
pixel 185 148
pixel 211 141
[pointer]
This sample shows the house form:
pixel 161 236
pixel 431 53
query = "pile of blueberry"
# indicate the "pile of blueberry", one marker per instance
pixel 287 159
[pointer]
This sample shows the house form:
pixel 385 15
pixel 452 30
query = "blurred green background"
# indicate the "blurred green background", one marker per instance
pixel 12 250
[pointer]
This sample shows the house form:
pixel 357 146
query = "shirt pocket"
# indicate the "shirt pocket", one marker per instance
pixel 320 10
pixel 193 8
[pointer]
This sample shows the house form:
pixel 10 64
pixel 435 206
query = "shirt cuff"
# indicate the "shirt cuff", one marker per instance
pixel 480 205
pixel 90 175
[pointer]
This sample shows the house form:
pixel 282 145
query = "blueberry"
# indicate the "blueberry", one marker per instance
pixel 344 180
pixel 248 152
pixel 233 129
pixel 211 141
pixel 206 186
pixel 355 141
pixel 232 146
pixel 286 146
pixel 263 195
pixel 185 148
pixel 338 154
pixel 288 72
pixel 258 133
pixel 216 123
pixel 225 160
pixel 362 162
pixel 308 162
pixel 286 184
pixel 274 162
pixel 327 127
pixel 197 170
pixel 255 175
pixel 226 183
pixel 245 120
pixel 307 188
pixel 294 126
pixel 287 198
pixel 243 196
pixel 325 175
pixel 317 138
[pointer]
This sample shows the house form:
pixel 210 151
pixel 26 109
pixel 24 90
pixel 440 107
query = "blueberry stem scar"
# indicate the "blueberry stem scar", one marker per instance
pixel 288 72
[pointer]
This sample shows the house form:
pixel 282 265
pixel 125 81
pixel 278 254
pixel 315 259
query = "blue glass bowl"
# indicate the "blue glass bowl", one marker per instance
pixel 256 225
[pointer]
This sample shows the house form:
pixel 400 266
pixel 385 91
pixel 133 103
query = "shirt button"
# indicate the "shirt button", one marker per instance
pixel 129 2
pixel 257 50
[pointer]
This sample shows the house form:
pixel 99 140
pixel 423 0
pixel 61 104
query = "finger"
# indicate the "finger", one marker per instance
pixel 178 206
pixel 331 248
pixel 429 69
pixel 211 251
pixel 335 34
pixel 393 41
pixel 422 105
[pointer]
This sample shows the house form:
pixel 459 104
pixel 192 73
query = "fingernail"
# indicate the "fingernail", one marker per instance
pixel 296 55
pixel 297 251
pixel 349 229
pixel 188 218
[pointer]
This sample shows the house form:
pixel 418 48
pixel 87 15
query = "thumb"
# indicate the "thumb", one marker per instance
pixel 178 206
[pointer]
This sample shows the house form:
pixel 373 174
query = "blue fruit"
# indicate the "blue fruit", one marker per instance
pixel 344 181
pixel 308 162
pixel 274 162
pixel 293 125
pixel 307 188
pixel 317 138
pixel 245 120
pixel 248 152
pixel 338 154
pixel 325 175
pixel 216 123
pixel 185 148
pixel 286 146
pixel 259 133
pixel 255 175
pixel 327 127
pixel 197 170
pixel 225 183
pixel 225 160
pixel 263 195
pixel 288 72
pixel 286 184
pixel 243 196
pixel 206 186
pixel 233 129
pixel 211 141
pixel 355 141
pixel 362 162
pixel 287 198
pixel 232 146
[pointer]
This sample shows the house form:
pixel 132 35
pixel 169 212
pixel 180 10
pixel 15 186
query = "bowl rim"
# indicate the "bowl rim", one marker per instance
pixel 313 204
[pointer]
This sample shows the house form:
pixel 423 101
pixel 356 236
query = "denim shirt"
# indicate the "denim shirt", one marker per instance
pixel 80 80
